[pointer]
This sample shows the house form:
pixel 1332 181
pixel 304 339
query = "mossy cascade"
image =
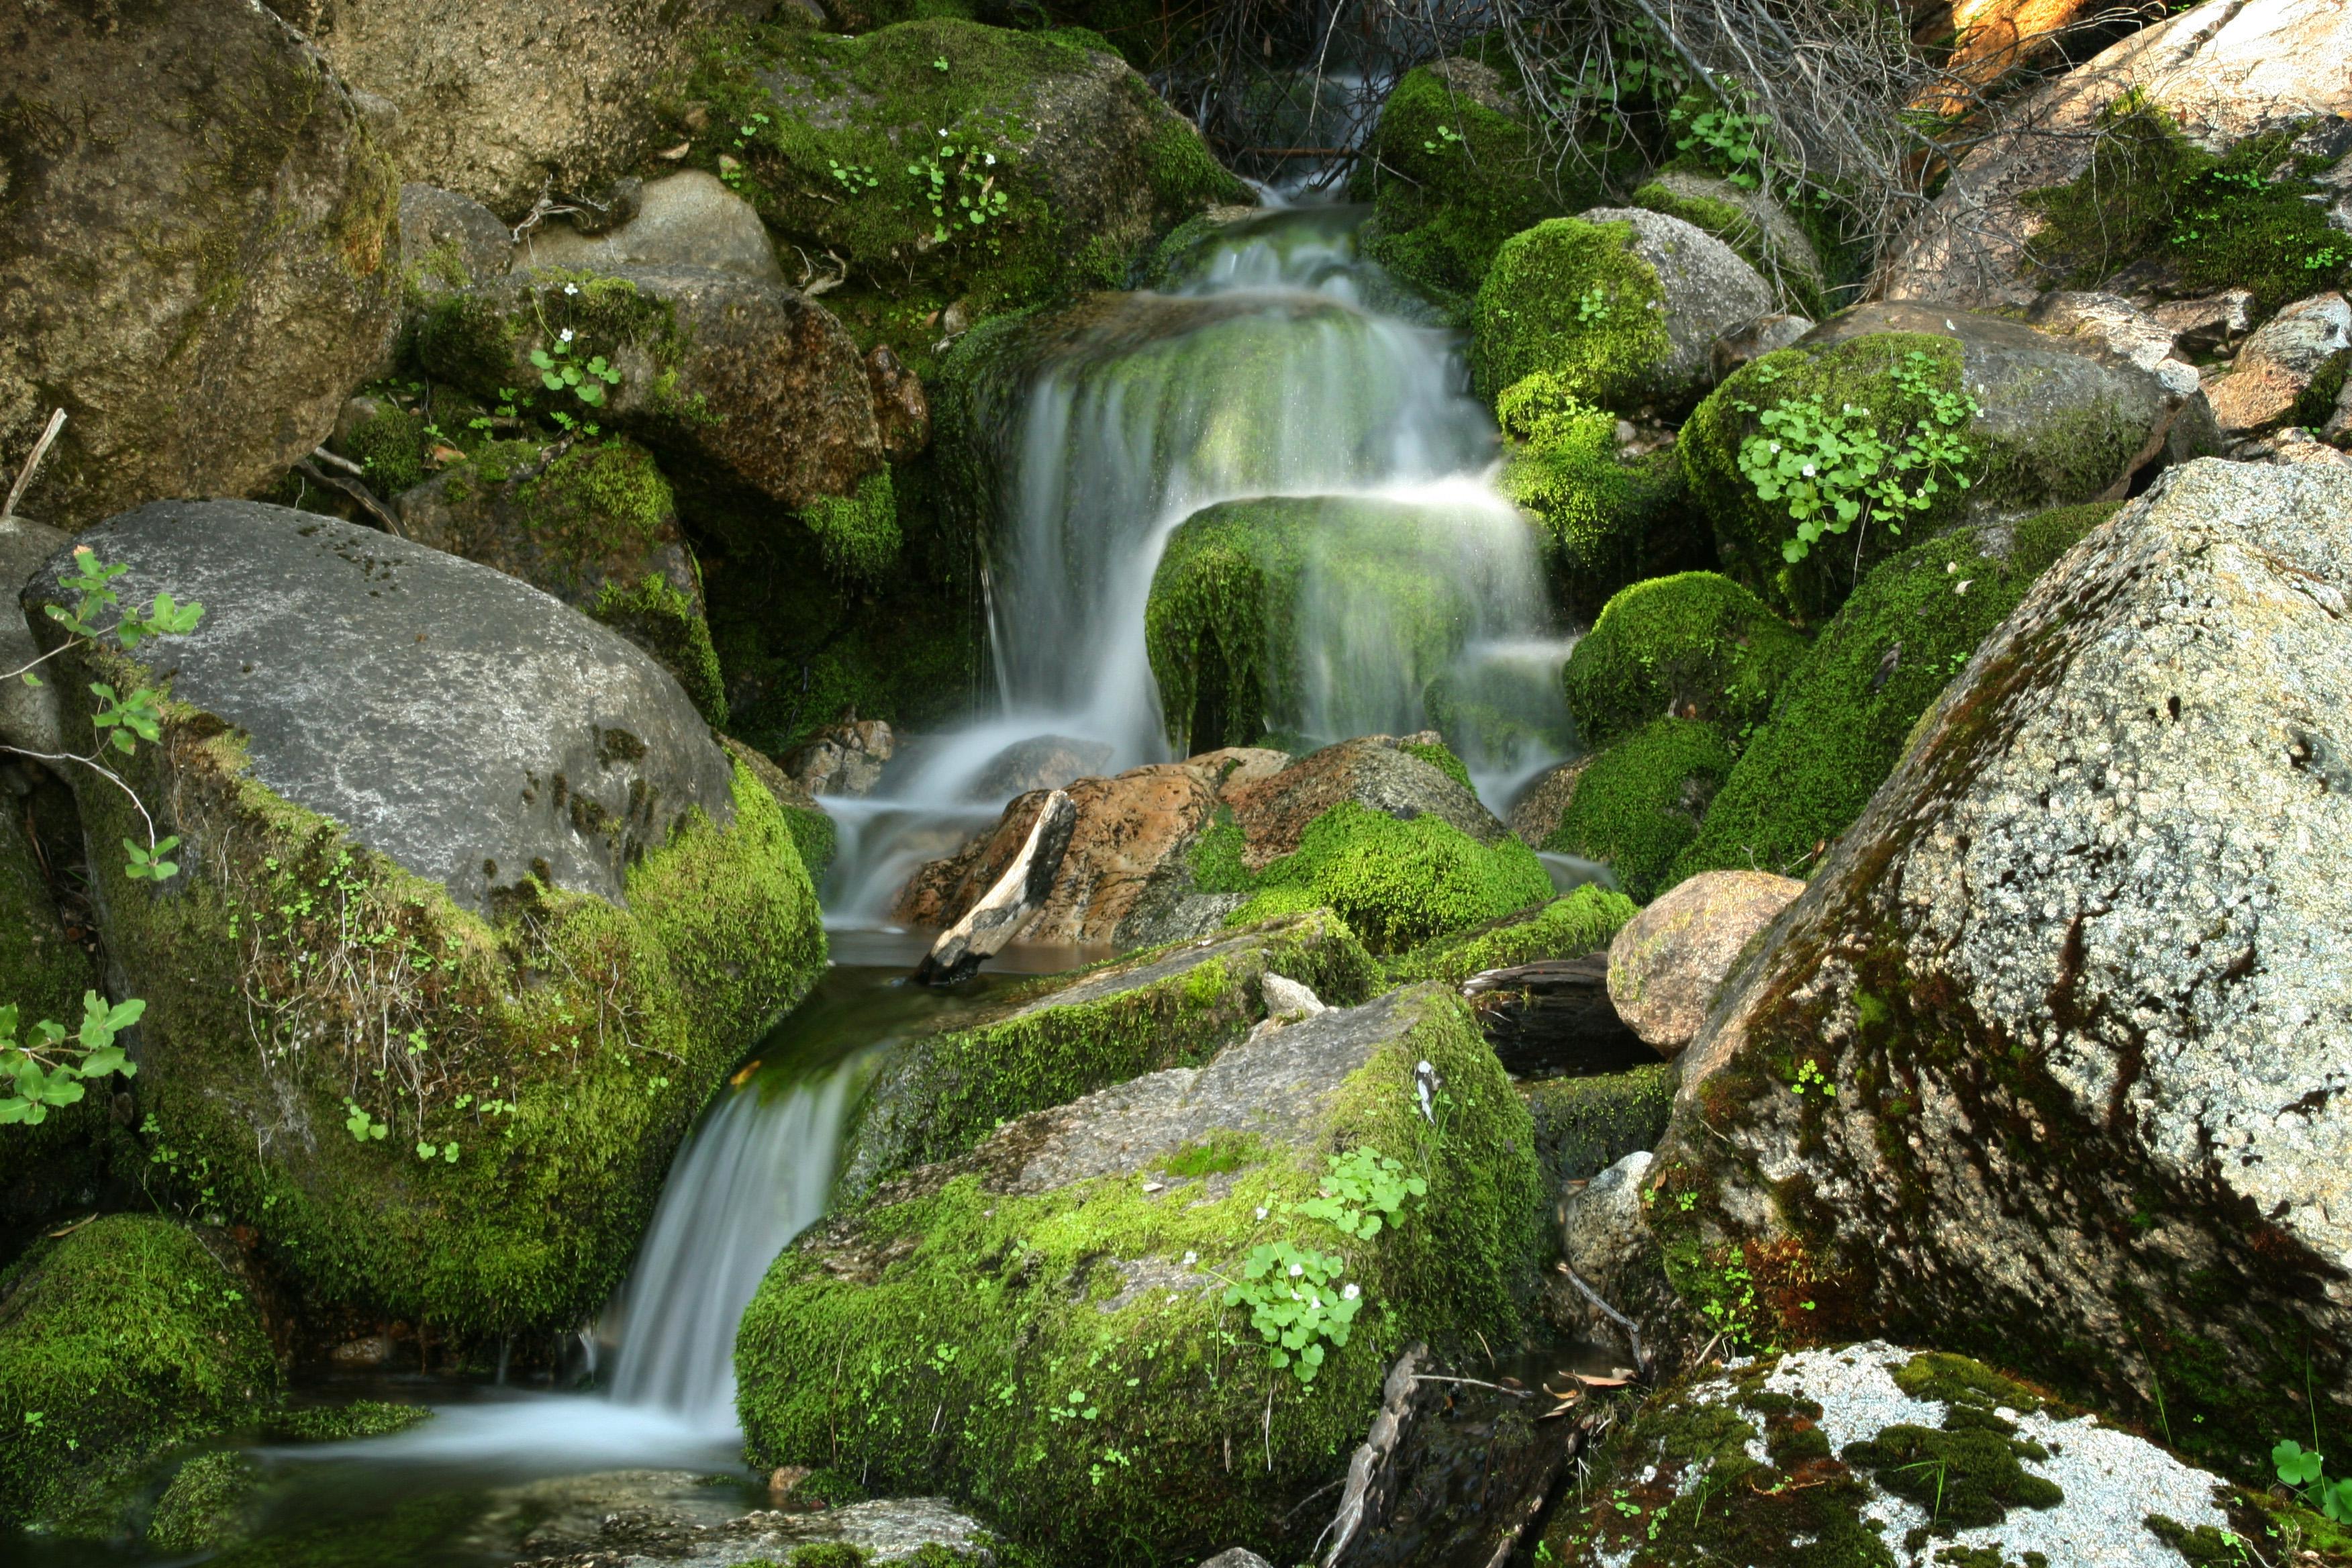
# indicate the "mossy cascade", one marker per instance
pixel 1695 645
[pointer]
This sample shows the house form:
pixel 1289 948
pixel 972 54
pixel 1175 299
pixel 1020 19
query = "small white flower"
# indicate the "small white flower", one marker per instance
pixel 1351 1292
pixel 571 288
pixel 1261 1213
pixel 992 159
pixel 943 133
pixel 1809 470
pixel 1314 1301
pixel 1776 445
pixel 1297 1269
pixel 1190 1258
pixel 565 334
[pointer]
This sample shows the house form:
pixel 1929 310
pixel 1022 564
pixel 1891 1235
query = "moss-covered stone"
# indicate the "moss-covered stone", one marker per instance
pixel 1848 710
pixel 1040 1329
pixel 1584 1125
pixel 43 974
pixel 207 1505
pixel 122 1337
pixel 1453 170
pixel 1568 927
pixel 1176 1006
pixel 858 534
pixel 1696 645
pixel 1749 221
pixel 1572 299
pixel 1638 804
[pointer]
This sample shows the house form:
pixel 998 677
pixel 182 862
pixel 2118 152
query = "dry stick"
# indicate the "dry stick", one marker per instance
pixel 357 491
pixel 25 473
pixel 1475 1383
pixel 1633 1333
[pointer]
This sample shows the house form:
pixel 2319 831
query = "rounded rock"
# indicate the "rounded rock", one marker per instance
pixel 1667 963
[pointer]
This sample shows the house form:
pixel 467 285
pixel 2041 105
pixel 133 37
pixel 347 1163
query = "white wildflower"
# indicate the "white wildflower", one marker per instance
pixel 1351 1292
pixel 1297 1269
pixel 1190 1258
pixel 571 288
pixel 1261 1211
pixel 565 334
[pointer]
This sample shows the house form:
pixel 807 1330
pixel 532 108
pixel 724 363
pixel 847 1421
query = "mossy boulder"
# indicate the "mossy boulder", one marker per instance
pixel 948 162
pixel 1622 303
pixel 1040 1328
pixel 1639 803
pixel 433 823
pixel 940 1093
pixel 1874 1456
pixel 1611 518
pixel 44 974
pixel 1970 418
pixel 1847 712
pixel 1695 645
pixel 749 378
pixel 1454 169
pixel 1750 221
pixel 1570 926
pixel 123 1336
pixel 1586 1124
pixel 200 270
pixel 595 525
pixel 2083 1111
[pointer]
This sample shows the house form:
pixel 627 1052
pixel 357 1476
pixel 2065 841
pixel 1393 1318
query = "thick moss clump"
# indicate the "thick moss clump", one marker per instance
pixel 1584 1125
pixel 124 1336
pixel 1453 172
pixel 1397 884
pixel 1754 225
pixel 859 534
pixel 2189 220
pixel 1610 520
pixel 1568 927
pixel 207 1505
pixel 1057 1353
pixel 1571 298
pixel 1696 645
pixel 1640 803
pixel 1847 712
pixel 1174 1007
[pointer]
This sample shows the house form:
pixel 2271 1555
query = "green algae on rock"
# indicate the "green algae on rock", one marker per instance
pixel 1570 926
pixel 1637 804
pixel 123 1336
pixel 1695 645
pixel 553 955
pixel 1039 1329
pixel 1396 883
pixel 1846 712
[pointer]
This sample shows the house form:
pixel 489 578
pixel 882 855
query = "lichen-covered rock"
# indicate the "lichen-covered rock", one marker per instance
pixel 2113 162
pixel 845 759
pixel 125 1335
pixel 2123 329
pixel 1054 1303
pixel 1640 802
pixel 505 103
pixel 680 1518
pixel 1884 1458
pixel 1401 778
pixel 1694 645
pixel 2045 1059
pixel 749 376
pixel 596 526
pixel 198 270
pixel 1751 222
pixel 1453 169
pixel 940 1093
pixel 1846 712
pixel 685 219
pixel 1537 810
pixel 1976 419
pixel 1029 167
pixel 1666 963
pixel 1624 304
pixel 433 822
pixel 450 241
pixel 2276 372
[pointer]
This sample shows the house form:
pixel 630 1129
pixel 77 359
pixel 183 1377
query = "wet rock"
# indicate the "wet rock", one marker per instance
pixel 1235 1557
pixel 1904 1455
pixel 1667 963
pixel 371 1350
pixel 450 241
pixel 1113 1222
pixel 199 283
pixel 2118 325
pixel 1044 762
pixel 596 526
pixel 1764 335
pixel 679 1519
pixel 900 406
pixel 714 367
pixel 1624 304
pixel 1379 772
pixel 2091 865
pixel 985 928
pixel 1536 812
pixel 1603 1239
pixel 2278 363
pixel 843 759
pixel 28 714
pixel 1750 221
pixel 685 219
pixel 530 834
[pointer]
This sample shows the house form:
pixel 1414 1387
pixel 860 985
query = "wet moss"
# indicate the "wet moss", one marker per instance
pixel 1572 299
pixel 965 1338
pixel 207 1505
pixel 1641 802
pixel 667 624
pixel 122 1337
pixel 1397 884
pixel 390 449
pixel 1570 926
pixel 858 534
pixel 1695 645
pixel 1584 1125
pixel 343 1423
pixel 1847 712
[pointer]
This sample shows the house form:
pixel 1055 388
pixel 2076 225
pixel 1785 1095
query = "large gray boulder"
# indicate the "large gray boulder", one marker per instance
pixel 196 251
pixel 2048 1057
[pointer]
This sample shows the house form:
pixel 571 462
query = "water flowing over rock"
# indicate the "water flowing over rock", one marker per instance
pixel 197 271
pixel 2045 1058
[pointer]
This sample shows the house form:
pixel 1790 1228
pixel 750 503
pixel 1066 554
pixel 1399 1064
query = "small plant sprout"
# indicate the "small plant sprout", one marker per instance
pixel 560 370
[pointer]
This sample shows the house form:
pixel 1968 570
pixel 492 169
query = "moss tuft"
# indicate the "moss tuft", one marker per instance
pixel 1640 802
pixel 1568 927
pixel 206 1505
pixel 390 447
pixel 1440 755
pixel 667 624
pixel 859 534
pixel 1571 298
pixel 1695 645
pixel 1397 884
pixel 1584 1125
pixel 343 1423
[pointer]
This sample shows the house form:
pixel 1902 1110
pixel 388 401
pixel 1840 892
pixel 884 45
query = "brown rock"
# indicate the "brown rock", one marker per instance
pixel 2200 326
pixel 844 759
pixel 1538 810
pixel 900 407
pixel 1374 771
pixel 2278 363
pixel 1667 961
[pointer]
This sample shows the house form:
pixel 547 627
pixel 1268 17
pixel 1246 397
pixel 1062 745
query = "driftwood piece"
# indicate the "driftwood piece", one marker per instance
pixel 988 924
pixel 1553 1018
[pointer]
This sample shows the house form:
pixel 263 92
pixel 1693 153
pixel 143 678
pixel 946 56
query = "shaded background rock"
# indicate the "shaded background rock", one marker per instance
pixel 685 219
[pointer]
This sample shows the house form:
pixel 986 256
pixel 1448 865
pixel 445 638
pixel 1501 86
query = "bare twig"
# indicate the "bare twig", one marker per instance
pixel 25 475
pixel 380 514
pixel 1632 1331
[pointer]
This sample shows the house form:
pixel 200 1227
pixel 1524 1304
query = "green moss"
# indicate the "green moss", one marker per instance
pixel 826 1554
pixel 1796 275
pixel 1571 298
pixel 390 447
pixel 479 340
pixel 816 836
pixel 2198 221
pixel 208 1504
pixel 42 972
pixel 1846 712
pixel 1216 1154
pixel 859 534
pixel 667 624
pixel 1174 1007
pixel 1640 802
pixel 984 1343
pixel 343 1423
pixel 1610 521
pixel 1568 927
pixel 600 499
pixel 1964 1478
pixel 1751 533
pixel 1440 755
pixel 559 1050
pixel 1584 1125
pixel 1695 645
pixel 121 1338
pixel 1397 884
